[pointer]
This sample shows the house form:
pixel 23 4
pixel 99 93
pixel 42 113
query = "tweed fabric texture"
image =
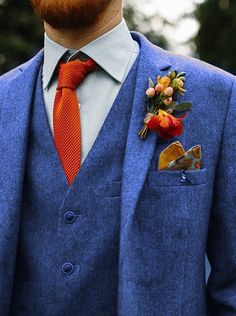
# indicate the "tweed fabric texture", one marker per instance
pixel 166 226
pixel 90 240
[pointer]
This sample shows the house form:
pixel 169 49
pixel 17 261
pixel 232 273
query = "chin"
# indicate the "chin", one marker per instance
pixel 72 13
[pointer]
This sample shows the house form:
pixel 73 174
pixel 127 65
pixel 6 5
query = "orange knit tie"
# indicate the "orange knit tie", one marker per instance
pixel 66 115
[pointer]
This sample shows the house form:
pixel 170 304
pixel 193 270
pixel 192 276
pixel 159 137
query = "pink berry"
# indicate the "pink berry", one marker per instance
pixel 158 88
pixel 169 91
pixel 168 101
pixel 150 92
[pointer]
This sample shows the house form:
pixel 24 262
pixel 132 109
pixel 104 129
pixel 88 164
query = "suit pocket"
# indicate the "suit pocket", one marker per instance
pixel 113 189
pixel 171 214
pixel 167 178
pixel 177 194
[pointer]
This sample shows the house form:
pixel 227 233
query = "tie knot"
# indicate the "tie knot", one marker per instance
pixel 72 73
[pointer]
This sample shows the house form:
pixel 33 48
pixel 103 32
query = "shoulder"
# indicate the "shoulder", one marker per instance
pixel 206 81
pixel 200 72
pixel 211 90
pixel 12 75
pixel 203 79
pixel 9 76
pixel 195 67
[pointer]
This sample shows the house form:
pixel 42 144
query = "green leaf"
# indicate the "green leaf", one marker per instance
pixel 173 105
pixel 185 106
pixel 172 74
pixel 181 74
pixel 151 83
pixel 178 114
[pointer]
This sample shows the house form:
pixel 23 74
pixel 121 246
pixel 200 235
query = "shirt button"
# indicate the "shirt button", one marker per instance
pixel 69 217
pixel 68 268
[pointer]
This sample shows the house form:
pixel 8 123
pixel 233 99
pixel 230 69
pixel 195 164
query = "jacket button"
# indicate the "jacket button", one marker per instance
pixel 69 217
pixel 183 177
pixel 68 268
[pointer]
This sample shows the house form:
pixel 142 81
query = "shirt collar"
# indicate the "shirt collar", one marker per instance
pixel 111 51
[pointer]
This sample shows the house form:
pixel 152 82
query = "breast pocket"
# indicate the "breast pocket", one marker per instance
pixel 172 210
pixel 168 178
pixel 176 195
pixel 172 200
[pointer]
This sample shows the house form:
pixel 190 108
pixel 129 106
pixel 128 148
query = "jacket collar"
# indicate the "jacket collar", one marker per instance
pixel 153 61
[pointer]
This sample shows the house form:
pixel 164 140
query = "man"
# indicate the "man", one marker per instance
pixel 89 224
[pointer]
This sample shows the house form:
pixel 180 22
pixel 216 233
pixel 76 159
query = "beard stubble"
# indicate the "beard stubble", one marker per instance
pixel 70 13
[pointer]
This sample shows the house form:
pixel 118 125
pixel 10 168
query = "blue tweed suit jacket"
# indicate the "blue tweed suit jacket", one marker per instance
pixel 167 226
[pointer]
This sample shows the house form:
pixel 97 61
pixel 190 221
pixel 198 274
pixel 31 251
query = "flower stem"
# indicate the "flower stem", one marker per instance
pixel 143 133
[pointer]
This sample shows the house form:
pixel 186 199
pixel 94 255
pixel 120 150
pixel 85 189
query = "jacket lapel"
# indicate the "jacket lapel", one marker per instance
pixel 16 101
pixel 139 152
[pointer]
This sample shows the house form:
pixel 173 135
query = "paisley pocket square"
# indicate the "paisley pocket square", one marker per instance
pixel 174 157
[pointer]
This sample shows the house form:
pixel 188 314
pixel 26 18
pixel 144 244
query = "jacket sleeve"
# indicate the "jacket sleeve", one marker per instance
pixel 221 245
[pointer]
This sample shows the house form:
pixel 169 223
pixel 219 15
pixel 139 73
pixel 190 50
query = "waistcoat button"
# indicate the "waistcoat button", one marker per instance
pixel 69 217
pixel 68 268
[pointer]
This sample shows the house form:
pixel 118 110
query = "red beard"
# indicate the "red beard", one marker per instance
pixel 70 13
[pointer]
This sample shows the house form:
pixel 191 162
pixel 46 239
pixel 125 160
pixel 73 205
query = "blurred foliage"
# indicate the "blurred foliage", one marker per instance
pixel 21 32
pixel 137 21
pixel 216 40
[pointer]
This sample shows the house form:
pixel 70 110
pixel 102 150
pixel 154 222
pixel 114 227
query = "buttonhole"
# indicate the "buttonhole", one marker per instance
pixel 77 268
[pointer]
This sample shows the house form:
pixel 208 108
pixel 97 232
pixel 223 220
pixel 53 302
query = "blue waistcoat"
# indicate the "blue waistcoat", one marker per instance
pixel 68 252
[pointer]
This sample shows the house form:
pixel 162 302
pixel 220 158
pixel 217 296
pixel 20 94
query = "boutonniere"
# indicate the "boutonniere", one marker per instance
pixel 164 114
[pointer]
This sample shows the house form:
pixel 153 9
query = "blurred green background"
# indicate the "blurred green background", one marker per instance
pixel 21 33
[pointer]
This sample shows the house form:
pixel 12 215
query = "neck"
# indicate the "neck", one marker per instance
pixel 77 38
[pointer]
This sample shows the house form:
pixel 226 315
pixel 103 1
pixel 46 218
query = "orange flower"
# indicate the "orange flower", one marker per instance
pixel 166 125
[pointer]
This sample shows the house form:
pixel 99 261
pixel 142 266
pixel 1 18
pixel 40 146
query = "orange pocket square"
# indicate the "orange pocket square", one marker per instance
pixel 174 157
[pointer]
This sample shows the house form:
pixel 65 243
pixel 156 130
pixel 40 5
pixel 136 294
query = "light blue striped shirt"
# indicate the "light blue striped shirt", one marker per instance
pixel 115 53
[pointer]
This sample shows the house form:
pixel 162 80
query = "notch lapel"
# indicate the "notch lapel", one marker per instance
pixel 139 152
pixel 16 100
